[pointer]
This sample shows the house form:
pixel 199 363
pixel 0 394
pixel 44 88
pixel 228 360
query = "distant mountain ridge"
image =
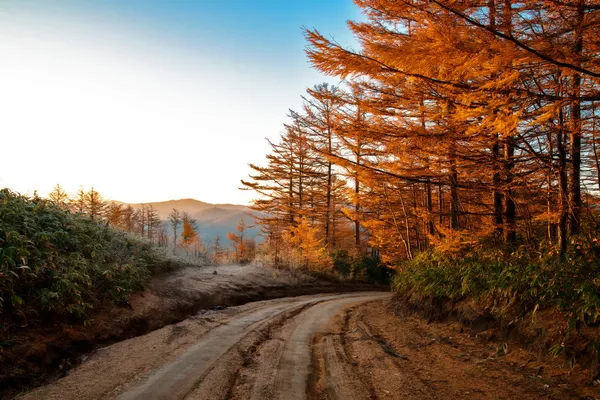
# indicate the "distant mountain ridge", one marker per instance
pixel 212 219
pixel 164 208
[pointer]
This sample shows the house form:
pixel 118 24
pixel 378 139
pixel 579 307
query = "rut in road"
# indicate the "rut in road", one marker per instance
pixel 294 366
pixel 187 374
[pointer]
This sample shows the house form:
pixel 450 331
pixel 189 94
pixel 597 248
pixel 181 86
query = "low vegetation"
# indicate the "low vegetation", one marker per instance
pixel 362 267
pixel 517 281
pixel 56 263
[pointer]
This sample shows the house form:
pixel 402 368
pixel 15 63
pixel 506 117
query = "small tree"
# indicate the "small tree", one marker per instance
pixel 250 247
pixel 128 219
pixel 218 250
pixel 95 205
pixel 187 217
pixel 79 201
pixel 163 237
pixel 59 197
pixel 152 221
pixel 306 249
pixel 175 221
pixel 189 234
pixel 241 243
pixel 115 214
pixel 140 220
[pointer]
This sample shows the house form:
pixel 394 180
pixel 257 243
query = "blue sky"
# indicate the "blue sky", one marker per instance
pixel 152 100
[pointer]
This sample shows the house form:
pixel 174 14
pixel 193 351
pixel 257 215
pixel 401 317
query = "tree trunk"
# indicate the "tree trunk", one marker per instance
pixel 357 204
pixel 510 232
pixel 440 204
pixel 454 201
pixel 575 136
pixel 416 212
pixel 562 186
pixel 595 147
pixel 497 219
pixel 174 237
pixel 329 182
pixel 428 200
pixel 407 243
pixel 496 184
pixel 429 208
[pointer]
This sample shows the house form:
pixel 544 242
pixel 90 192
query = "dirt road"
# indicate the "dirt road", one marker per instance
pixel 202 357
pixel 345 346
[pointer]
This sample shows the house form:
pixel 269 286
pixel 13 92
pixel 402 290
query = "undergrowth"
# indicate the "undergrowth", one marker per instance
pixel 360 267
pixel 522 279
pixel 54 263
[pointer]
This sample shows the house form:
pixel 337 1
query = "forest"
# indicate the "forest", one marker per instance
pixel 460 149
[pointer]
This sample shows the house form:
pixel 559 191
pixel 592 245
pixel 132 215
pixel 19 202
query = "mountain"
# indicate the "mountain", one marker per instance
pixel 211 219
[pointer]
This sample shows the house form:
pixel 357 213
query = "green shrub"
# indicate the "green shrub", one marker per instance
pixel 523 278
pixel 54 262
pixel 361 267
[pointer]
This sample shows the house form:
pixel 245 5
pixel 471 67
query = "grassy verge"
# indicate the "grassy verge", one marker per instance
pixel 517 284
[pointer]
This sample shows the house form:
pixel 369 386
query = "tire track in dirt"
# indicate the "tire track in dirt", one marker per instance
pixel 225 374
pixel 176 380
pixel 295 364
pixel 349 346
pixel 335 371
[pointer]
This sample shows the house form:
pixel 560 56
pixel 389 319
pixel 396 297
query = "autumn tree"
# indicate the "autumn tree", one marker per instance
pixel 128 218
pixel 306 250
pixel 502 100
pixel 318 120
pixel 162 236
pixel 454 121
pixel 115 215
pixel 78 203
pixel 140 220
pixel 289 185
pixel 241 243
pixel 59 197
pixel 189 234
pixel 95 205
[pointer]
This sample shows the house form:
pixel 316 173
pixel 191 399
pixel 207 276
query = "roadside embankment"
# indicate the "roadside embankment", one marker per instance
pixel 545 332
pixel 44 354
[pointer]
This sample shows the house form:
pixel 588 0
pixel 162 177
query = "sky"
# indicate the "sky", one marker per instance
pixel 150 100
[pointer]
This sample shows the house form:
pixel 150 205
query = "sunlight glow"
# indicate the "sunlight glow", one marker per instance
pixel 139 119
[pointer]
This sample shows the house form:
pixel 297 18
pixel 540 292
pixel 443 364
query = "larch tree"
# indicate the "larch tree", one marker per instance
pixel 78 204
pixel 59 197
pixel 479 72
pixel 95 205
pixel 240 242
pixel 153 222
pixel 188 234
pixel 318 121
pixel 175 221
pixel 453 121
pixel 218 250
pixel 115 215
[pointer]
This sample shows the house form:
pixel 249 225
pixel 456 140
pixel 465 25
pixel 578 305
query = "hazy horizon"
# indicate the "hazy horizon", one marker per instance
pixel 152 100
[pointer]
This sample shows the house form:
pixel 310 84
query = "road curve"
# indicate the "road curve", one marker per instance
pixel 306 317
pixel 319 347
